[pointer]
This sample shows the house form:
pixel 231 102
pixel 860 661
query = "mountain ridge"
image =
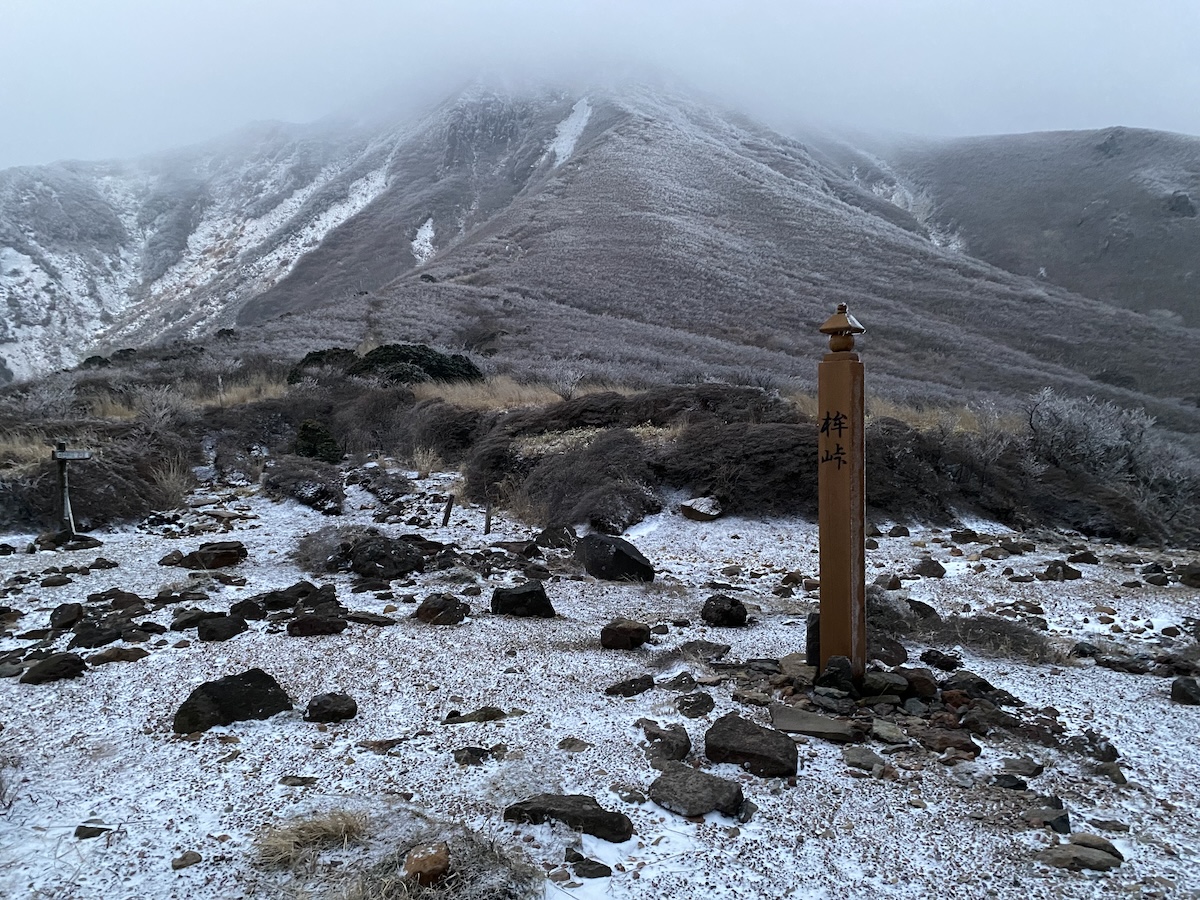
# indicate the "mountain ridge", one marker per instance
pixel 709 243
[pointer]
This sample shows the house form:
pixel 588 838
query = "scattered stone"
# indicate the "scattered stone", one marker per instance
pixel 584 867
pixel 311 625
pixel 877 683
pixel 762 751
pixel 220 628
pixel 87 831
pixel 693 706
pixel 724 612
pixel 995 553
pixel 214 555
pixel 861 758
pixel 921 682
pixel 190 858
pixel 573 745
pixel 1010 782
pixel 705 651
pixel 191 618
pixel 940 660
pixel 380 557
pixel 427 864
pixel 798 721
pixel 701 509
pixel 888 732
pixel 1084 839
pixel 889 581
pixel 613 559
pixel 1057 570
pixel 624 634
pixel 1112 772
pixel 56 581
pixel 65 615
pixel 297 780
pixel 1085 557
pixel 630 687
pixel 1076 857
pixel 335 707
pixel 928 567
pixel 527 600
pixel 362 617
pixel 690 792
pixel 483 714
pixel 680 682
pixel 942 739
pixel 442 609
pixel 54 667
pixel 117 654
pixel 899 531
pixel 562 537
pixel 1184 690
pixel 578 812
pixel 887 650
pixel 253 694
pixel 472 756
pixel 669 744
pixel 1050 817
pixel 1189 575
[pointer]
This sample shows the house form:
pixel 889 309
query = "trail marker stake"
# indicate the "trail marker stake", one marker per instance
pixel 63 456
pixel 841 495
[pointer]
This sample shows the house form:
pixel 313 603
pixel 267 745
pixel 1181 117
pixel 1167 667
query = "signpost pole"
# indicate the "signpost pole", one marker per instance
pixel 841 495
pixel 62 456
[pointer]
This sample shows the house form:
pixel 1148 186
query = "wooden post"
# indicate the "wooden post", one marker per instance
pixel 62 456
pixel 446 513
pixel 841 495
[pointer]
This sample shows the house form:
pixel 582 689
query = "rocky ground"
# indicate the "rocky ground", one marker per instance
pixel 1028 728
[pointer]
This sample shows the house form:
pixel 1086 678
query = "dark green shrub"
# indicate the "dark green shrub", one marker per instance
pixel 413 363
pixel 315 441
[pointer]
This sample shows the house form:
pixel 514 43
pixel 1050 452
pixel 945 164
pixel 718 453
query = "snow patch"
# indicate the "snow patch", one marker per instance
pixel 422 244
pixel 566 135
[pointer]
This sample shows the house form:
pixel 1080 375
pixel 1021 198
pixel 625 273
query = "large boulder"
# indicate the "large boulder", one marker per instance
pixel 527 600
pixel 442 609
pixel 762 751
pixel 214 555
pixel 251 695
pixel 724 611
pixel 377 556
pixel 612 559
pixel 578 812
pixel 220 628
pixel 335 707
pixel 54 667
pixel 690 792
pixel 624 634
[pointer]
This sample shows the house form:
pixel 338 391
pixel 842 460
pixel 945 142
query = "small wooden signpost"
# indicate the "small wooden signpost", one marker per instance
pixel 841 495
pixel 63 456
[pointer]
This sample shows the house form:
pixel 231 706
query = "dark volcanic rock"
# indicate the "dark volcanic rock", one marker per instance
pixel 693 706
pixel 690 792
pixel 442 609
pixel 613 559
pixel 310 625
pixel 334 707
pixel 65 615
pixel 630 687
pixel 1186 691
pixel 251 695
pixel 90 634
pixel 723 611
pixel 381 557
pixel 669 744
pixel 578 812
pixel 763 751
pixel 220 628
pixel 54 667
pixel 215 555
pixel 624 634
pixel 527 600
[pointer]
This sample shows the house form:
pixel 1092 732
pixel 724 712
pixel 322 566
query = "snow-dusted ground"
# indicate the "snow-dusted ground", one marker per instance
pixel 568 132
pixel 101 746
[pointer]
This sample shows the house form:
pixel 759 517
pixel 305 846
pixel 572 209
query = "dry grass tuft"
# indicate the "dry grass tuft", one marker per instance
pixel 505 392
pixel 480 870
pixel 287 845
pixel 425 460
pixel 23 449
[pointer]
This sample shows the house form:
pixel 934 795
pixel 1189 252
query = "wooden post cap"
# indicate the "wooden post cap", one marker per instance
pixel 841 328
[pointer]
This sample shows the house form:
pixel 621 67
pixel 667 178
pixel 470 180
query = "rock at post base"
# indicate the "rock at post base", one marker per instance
pixel 762 751
pixel 578 812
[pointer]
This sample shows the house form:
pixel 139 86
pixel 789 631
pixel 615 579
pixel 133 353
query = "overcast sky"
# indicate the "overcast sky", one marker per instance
pixel 113 78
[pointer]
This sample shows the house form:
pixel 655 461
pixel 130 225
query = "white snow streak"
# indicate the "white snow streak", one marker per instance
pixel 566 135
pixel 422 244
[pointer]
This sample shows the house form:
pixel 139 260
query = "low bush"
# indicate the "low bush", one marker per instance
pixel 298 840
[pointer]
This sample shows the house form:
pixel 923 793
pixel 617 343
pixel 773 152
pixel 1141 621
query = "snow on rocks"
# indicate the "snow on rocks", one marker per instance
pixel 841 829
